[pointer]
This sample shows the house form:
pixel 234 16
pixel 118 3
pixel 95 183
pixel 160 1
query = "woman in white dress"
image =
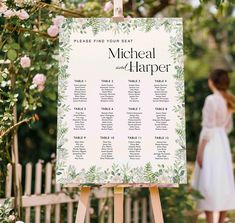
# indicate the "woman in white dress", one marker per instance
pixel 213 175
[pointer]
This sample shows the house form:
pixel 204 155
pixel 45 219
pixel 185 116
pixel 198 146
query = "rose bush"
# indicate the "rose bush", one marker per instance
pixel 28 69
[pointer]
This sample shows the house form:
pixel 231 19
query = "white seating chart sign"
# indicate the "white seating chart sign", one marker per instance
pixel 121 115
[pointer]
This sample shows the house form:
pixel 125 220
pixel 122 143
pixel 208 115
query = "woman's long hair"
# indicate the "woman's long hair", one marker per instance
pixel 221 80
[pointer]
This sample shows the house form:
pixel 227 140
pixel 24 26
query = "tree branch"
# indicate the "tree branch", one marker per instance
pixel 20 29
pixel 55 8
pixel 15 126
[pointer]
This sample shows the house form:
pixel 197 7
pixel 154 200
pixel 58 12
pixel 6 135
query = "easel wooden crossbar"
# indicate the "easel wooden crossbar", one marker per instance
pixel 118 204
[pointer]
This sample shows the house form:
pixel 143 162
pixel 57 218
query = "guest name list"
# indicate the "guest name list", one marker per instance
pixel 122 99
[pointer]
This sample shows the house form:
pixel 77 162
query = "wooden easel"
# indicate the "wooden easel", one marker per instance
pixel 118 204
pixel 119 189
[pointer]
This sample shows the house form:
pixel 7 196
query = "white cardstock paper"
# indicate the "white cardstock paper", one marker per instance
pixel 121 115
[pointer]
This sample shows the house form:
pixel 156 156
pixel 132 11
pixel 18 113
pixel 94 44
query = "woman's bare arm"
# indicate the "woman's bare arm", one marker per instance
pixel 200 151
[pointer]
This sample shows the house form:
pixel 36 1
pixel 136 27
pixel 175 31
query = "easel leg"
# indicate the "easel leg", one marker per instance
pixel 156 204
pixel 118 204
pixel 82 204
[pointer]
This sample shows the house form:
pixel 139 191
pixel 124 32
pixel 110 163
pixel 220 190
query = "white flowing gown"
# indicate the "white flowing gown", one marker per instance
pixel 215 180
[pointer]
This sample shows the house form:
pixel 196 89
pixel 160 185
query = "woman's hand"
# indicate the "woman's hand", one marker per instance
pixel 200 155
pixel 200 152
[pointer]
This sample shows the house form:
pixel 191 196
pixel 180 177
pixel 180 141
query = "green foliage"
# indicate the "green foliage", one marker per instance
pixel 7 212
pixel 148 173
pixel 93 174
pixel 93 9
pixel 179 204
pixel 17 91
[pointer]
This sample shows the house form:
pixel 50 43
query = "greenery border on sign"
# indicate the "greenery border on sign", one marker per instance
pixel 67 174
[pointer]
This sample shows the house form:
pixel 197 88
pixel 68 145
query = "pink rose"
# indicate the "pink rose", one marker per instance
pixel 22 14
pixel 108 6
pixel 53 31
pixel 25 62
pixel 57 21
pixel 41 88
pixel 3 8
pixel 12 217
pixel 39 80
pixel 9 13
